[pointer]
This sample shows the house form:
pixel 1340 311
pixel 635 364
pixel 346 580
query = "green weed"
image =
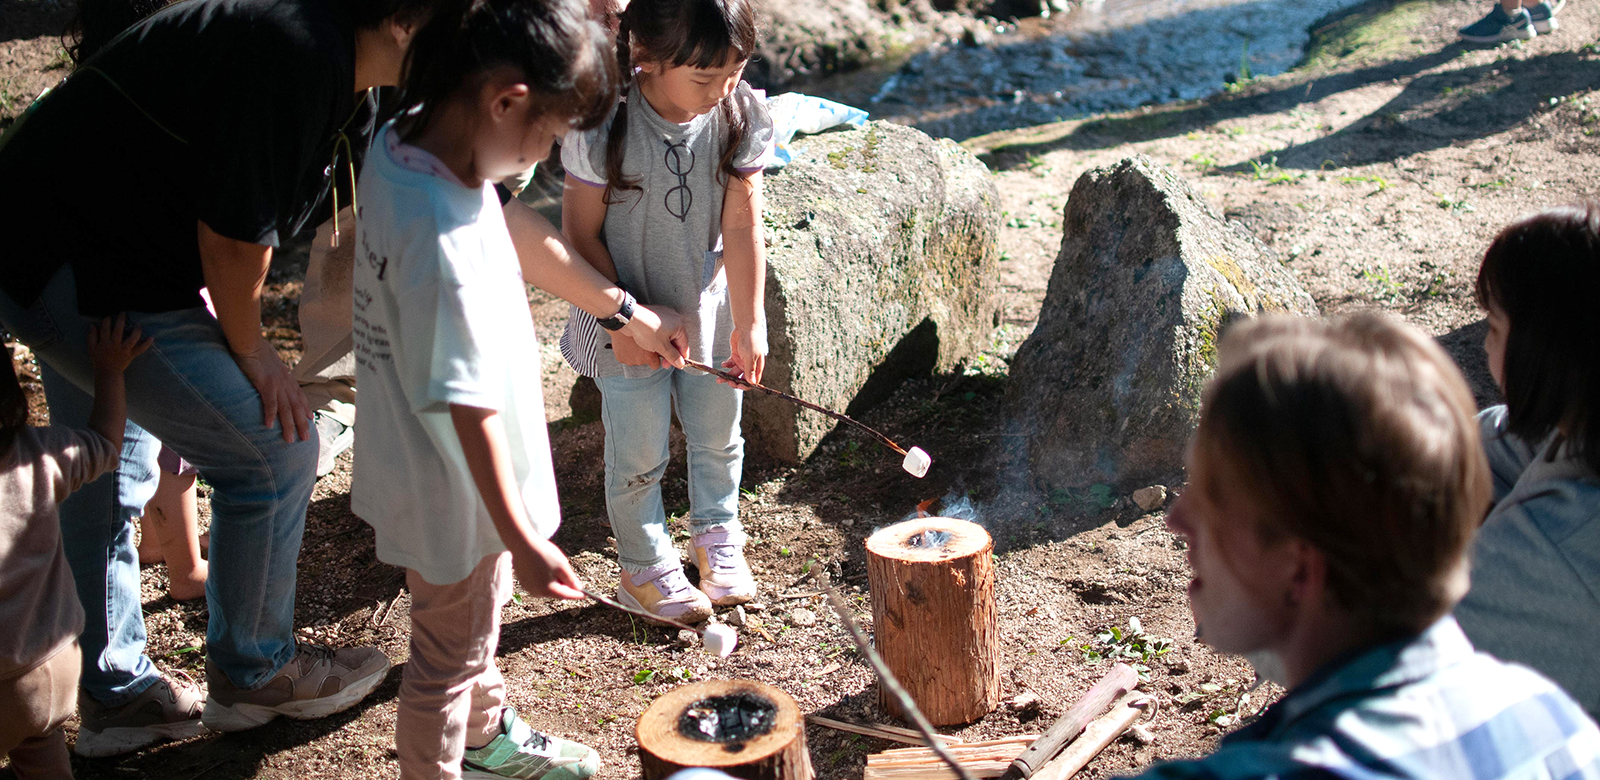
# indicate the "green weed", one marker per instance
pixel 1382 183
pixel 1133 646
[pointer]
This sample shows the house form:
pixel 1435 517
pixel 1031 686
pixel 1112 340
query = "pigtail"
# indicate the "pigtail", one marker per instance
pixel 738 128
pixel 617 135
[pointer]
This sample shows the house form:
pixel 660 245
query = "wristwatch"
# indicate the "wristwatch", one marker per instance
pixel 623 316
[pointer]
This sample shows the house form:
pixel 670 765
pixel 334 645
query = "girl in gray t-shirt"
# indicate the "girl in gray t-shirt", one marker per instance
pixel 665 199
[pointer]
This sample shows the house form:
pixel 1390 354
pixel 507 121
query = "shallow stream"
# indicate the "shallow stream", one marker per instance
pixel 1102 55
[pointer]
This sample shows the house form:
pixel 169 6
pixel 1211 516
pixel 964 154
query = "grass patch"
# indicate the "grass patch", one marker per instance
pixel 1375 30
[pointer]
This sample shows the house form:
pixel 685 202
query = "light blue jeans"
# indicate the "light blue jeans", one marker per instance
pixel 638 416
pixel 186 391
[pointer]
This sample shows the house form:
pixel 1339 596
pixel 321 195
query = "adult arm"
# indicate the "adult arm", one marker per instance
pixel 234 272
pixel 744 258
pixel 540 566
pixel 583 218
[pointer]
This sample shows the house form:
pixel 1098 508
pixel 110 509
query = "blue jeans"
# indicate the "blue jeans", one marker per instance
pixel 638 417
pixel 187 392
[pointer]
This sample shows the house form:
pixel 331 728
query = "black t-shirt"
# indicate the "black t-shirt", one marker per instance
pixel 222 111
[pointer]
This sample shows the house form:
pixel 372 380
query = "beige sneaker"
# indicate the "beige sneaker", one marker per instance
pixel 318 682
pixel 168 709
pixel 725 577
pixel 664 590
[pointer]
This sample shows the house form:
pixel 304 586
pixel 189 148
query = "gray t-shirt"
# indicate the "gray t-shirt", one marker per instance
pixel 666 239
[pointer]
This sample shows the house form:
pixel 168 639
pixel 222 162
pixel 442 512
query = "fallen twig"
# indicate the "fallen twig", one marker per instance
pixel 877 730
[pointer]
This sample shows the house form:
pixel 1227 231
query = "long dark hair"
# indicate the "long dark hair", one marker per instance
pixel 562 55
pixel 1542 271
pixel 13 401
pixel 675 33
pixel 98 21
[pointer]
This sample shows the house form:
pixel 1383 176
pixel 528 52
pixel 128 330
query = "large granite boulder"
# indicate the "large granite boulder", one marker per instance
pixel 882 263
pixel 1107 389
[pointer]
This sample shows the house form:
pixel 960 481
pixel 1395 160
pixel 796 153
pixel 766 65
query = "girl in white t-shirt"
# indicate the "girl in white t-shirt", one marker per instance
pixel 452 465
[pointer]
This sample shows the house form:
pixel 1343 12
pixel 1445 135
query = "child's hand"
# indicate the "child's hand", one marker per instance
pixel 749 358
pixel 543 571
pixel 629 353
pixel 657 334
pixel 112 348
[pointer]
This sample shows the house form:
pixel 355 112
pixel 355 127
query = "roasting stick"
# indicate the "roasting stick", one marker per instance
pixel 887 442
pixel 916 460
pixel 718 640
pixel 887 680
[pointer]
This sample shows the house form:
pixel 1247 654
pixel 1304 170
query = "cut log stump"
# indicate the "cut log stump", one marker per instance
pixel 745 728
pixel 933 616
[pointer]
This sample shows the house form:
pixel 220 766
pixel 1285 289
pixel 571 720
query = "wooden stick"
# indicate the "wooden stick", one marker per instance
pixel 887 442
pixel 1121 679
pixel 887 680
pixel 614 604
pixel 1102 732
pixel 879 731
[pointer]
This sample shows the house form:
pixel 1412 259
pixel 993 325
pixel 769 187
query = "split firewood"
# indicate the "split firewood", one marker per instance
pixel 1102 732
pixel 982 759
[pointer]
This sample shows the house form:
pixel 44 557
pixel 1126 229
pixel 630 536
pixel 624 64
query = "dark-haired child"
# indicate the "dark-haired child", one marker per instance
pixel 665 198
pixel 452 468
pixel 39 655
pixel 1335 482
pixel 1535 594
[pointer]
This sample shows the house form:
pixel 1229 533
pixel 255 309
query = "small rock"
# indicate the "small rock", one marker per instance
pixel 1178 666
pixel 687 638
pixel 802 617
pixel 1022 702
pixel 755 606
pixel 1150 498
pixel 1141 734
pixel 736 617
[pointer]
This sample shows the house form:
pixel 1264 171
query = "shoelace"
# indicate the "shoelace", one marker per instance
pixel 722 556
pixel 308 654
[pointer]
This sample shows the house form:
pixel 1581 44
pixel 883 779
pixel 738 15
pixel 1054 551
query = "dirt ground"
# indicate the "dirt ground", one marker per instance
pixel 1378 171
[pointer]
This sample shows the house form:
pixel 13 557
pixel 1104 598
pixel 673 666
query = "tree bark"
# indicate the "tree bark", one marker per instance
pixel 777 754
pixel 933 616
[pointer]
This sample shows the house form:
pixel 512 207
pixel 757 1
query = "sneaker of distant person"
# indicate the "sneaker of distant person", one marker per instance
pixel 1514 20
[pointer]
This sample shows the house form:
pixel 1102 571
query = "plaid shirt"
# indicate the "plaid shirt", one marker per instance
pixel 1428 707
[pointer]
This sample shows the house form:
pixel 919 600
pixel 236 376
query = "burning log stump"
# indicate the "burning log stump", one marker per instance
pixel 933 616
pixel 745 728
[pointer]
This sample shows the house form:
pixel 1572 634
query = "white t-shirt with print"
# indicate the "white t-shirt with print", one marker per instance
pixel 441 317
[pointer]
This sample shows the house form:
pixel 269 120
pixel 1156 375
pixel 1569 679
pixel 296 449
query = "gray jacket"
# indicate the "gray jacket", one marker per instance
pixel 1535 595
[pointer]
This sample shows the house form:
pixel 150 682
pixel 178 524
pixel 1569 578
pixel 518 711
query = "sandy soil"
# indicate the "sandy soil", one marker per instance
pixel 1378 171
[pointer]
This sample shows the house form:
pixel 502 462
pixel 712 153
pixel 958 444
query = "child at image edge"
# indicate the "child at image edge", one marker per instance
pixel 39 654
pixel 665 198
pixel 452 468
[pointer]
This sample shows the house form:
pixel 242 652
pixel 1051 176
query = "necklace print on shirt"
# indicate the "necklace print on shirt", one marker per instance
pixel 679 159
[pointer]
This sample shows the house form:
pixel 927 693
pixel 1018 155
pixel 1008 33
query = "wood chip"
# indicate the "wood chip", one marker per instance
pixel 824 671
